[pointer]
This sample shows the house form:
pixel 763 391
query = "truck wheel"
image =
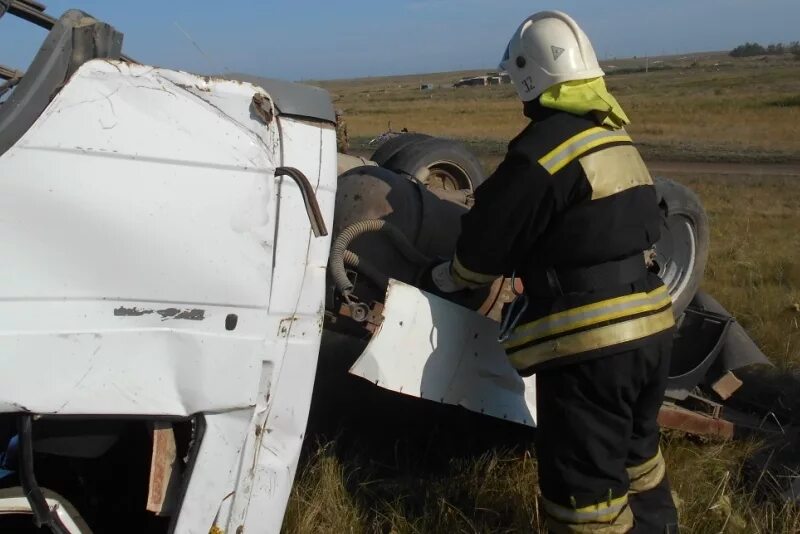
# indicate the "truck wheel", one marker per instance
pixel 682 251
pixel 439 164
pixel 392 146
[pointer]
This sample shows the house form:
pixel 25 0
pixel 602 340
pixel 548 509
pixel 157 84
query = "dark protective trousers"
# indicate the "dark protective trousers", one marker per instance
pixel 600 466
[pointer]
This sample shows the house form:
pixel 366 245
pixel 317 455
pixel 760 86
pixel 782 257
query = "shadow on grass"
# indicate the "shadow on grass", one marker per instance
pixel 377 461
pixel 400 464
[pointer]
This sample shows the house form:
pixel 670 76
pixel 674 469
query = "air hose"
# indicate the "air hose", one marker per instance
pixel 340 255
pixel 354 261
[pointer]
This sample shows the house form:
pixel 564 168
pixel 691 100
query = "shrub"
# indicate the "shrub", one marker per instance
pixel 777 49
pixel 748 49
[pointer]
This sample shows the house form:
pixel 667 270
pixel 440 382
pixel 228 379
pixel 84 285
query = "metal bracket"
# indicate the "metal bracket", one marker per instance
pixel 42 515
pixel 371 316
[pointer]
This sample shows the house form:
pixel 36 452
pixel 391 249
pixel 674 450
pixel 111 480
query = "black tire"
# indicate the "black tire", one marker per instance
pixel 439 164
pixel 395 144
pixel 682 251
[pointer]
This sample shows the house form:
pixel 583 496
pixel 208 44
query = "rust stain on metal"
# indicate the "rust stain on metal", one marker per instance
pixel 375 317
pixel 286 325
pixel 262 106
pixel 677 418
pixel 372 320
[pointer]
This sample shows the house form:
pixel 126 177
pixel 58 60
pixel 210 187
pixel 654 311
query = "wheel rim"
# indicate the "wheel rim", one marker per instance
pixel 676 254
pixel 447 176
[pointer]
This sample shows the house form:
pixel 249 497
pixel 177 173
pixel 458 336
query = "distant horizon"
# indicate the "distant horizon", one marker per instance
pixel 495 69
pixel 351 39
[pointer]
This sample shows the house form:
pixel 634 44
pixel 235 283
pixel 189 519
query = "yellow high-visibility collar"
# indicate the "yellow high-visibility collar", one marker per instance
pixel 586 96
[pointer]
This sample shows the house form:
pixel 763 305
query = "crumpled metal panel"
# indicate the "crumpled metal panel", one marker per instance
pixel 293 98
pixel 154 265
pixel 433 349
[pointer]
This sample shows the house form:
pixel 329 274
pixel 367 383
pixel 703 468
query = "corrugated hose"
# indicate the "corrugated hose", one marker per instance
pixel 340 255
pixel 354 261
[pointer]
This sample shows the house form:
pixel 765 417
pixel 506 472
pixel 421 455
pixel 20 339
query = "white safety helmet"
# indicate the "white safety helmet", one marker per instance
pixel 548 48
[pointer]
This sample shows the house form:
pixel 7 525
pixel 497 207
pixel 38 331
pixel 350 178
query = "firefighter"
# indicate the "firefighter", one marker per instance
pixel 572 211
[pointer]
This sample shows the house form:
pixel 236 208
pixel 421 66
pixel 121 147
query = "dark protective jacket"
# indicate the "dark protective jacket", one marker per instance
pixel 570 211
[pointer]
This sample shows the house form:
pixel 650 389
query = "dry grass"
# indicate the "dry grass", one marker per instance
pixel 706 479
pixel 744 109
pixel 320 501
pixel 753 268
pixel 753 271
pixel 404 471
pixel 496 493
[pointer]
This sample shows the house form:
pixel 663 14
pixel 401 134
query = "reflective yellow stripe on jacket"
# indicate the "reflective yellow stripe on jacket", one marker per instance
pixel 580 144
pixel 591 327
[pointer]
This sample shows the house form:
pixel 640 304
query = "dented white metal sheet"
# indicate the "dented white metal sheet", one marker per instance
pixel 154 265
pixel 269 457
pixel 137 216
pixel 433 349
pixel 175 192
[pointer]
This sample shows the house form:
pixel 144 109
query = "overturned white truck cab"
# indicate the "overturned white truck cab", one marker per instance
pixel 164 244
pixel 166 285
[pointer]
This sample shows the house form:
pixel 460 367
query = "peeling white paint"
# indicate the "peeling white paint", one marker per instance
pixel 137 214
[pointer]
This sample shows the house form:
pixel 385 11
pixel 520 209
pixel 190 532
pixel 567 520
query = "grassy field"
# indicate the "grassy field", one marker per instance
pixel 416 467
pixel 702 108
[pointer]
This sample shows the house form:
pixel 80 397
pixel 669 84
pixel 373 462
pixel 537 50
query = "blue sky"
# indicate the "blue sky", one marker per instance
pixel 323 39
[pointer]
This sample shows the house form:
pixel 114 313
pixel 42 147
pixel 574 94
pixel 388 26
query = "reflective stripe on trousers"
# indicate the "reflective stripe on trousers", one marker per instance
pixel 647 475
pixel 611 517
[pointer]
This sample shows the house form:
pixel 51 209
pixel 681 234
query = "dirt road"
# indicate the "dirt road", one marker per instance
pixel 750 169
